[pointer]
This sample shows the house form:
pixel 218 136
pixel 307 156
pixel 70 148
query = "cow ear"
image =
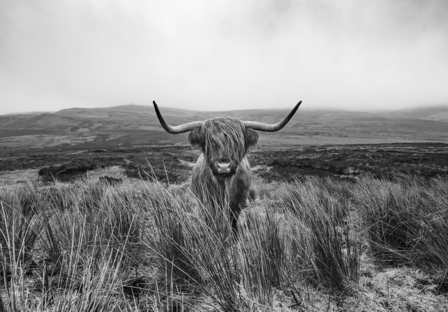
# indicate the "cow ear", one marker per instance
pixel 196 138
pixel 251 137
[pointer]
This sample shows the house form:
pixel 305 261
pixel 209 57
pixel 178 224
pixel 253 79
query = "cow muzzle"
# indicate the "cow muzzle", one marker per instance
pixel 224 169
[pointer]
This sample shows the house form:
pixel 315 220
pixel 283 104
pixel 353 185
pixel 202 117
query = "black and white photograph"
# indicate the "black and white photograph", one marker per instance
pixel 223 156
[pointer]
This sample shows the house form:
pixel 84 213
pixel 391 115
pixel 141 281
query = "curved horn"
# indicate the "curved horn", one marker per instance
pixel 271 127
pixel 176 129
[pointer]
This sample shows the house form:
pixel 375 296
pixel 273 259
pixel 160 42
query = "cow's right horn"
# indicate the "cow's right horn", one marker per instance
pixel 271 127
pixel 176 129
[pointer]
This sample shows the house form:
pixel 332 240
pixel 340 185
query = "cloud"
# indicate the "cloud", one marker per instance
pixel 223 54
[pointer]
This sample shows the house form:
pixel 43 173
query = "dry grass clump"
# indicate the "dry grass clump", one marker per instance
pixel 407 220
pixel 322 213
pixel 141 246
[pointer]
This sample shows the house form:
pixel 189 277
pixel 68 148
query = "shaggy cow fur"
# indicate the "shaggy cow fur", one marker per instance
pixel 223 140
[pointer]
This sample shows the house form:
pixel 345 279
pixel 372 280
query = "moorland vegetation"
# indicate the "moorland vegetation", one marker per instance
pixel 314 244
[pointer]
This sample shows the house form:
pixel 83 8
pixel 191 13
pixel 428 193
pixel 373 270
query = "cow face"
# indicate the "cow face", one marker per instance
pixel 224 142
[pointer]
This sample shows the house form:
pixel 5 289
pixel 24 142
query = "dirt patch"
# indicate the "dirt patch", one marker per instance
pixel 397 289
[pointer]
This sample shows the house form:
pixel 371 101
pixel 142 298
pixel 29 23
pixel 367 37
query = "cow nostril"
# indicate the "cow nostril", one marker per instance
pixel 224 160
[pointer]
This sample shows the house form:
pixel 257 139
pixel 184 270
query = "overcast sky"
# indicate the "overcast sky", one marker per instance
pixel 219 55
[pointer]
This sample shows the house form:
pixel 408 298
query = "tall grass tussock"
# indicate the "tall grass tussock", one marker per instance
pixel 144 246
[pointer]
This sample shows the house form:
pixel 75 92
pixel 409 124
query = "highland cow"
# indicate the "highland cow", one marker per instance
pixel 222 174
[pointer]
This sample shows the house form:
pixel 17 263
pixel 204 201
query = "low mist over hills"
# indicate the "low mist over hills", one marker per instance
pixel 130 125
pixel 437 113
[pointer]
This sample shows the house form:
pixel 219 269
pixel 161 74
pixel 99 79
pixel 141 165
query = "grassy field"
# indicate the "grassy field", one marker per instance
pixel 318 244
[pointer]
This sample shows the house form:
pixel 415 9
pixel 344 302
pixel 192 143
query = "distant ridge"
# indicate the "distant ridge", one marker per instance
pixel 436 113
pixel 27 113
pixel 130 125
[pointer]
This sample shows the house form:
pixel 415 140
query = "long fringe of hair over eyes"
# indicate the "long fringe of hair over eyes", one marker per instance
pixel 225 136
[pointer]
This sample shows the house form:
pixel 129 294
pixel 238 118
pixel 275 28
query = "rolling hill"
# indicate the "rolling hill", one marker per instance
pixel 130 125
pixel 436 113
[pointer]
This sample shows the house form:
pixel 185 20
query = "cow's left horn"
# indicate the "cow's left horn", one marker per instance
pixel 176 129
pixel 271 127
